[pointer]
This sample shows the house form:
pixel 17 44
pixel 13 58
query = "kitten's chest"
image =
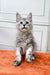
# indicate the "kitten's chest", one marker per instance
pixel 23 39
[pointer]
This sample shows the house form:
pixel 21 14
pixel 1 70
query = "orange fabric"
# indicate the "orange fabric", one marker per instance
pixel 40 66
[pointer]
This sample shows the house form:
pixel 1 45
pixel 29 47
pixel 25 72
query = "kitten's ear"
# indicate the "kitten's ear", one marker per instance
pixel 18 17
pixel 29 17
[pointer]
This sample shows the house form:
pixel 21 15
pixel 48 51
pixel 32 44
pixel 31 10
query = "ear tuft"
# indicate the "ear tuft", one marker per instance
pixel 18 17
pixel 29 17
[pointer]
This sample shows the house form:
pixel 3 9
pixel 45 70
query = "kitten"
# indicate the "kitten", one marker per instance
pixel 25 44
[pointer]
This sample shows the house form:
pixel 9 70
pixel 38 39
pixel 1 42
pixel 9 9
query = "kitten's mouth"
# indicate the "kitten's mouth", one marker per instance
pixel 24 28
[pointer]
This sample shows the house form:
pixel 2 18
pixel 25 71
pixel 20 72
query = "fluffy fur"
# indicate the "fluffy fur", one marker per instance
pixel 25 44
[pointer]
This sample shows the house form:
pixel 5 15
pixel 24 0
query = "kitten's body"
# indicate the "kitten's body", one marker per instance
pixel 25 44
pixel 24 41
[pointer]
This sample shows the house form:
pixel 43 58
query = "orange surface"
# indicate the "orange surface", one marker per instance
pixel 40 66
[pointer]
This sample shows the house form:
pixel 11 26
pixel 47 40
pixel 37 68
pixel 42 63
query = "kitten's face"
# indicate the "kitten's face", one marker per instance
pixel 24 24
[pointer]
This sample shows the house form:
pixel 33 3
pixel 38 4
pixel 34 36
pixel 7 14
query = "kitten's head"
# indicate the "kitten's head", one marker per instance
pixel 24 24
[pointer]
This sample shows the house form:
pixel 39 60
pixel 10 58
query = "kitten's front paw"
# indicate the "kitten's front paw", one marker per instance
pixel 28 59
pixel 16 63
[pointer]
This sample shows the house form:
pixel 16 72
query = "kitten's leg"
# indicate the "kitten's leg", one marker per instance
pixel 34 50
pixel 29 54
pixel 17 61
pixel 33 58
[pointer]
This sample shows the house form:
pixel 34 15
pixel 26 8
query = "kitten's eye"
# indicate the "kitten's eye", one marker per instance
pixel 21 22
pixel 27 22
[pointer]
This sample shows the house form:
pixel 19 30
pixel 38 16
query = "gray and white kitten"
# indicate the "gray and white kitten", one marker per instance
pixel 25 44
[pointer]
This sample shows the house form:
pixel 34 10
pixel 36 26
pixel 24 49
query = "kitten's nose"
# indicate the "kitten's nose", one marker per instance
pixel 24 25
